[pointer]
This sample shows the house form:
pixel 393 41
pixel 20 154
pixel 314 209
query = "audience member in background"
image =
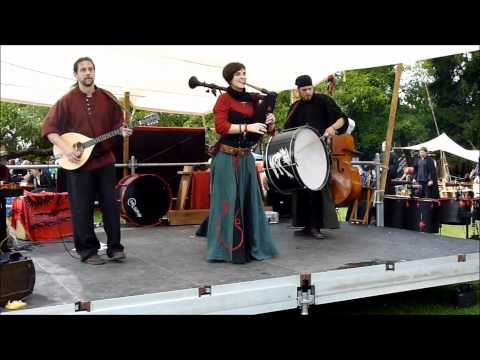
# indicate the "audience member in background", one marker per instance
pixel 40 179
pixel 4 171
pixel 425 174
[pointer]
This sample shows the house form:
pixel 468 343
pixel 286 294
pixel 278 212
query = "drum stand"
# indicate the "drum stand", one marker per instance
pixel 180 215
pixel 184 187
pixel 475 236
pixel 367 195
pixel 476 230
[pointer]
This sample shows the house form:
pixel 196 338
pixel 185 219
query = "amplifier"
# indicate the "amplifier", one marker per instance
pixel 17 277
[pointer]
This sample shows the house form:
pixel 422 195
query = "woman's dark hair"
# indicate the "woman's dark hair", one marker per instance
pixel 230 69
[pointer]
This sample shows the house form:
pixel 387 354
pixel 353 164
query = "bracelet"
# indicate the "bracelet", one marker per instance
pixel 246 128
pixel 239 128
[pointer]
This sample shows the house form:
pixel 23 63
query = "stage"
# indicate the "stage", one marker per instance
pixel 166 272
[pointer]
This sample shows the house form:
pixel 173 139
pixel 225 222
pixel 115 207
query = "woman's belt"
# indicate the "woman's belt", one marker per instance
pixel 234 151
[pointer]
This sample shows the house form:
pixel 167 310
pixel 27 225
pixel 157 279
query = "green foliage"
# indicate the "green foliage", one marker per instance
pixel 281 108
pixel 20 126
pixel 364 96
pixel 455 93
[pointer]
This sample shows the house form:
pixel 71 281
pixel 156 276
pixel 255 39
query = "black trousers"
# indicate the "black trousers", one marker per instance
pixel 84 187
pixel 3 224
pixel 426 191
pixel 314 209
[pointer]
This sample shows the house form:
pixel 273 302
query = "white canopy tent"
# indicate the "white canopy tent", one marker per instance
pixel 157 76
pixel 444 143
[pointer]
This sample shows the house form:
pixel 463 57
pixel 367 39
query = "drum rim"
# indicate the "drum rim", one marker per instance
pixel 267 166
pixel 122 188
pixel 292 154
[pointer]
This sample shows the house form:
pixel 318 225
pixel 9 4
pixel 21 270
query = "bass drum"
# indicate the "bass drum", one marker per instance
pixel 455 211
pixel 144 199
pixel 476 209
pixel 297 159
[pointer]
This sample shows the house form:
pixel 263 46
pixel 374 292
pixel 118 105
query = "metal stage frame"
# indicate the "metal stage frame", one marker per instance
pixel 356 261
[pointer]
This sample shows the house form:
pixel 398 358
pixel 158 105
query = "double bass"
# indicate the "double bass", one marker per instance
pixel 345 183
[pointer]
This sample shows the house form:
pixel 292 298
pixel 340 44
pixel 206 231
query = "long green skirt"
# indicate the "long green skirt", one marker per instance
pixel 237 227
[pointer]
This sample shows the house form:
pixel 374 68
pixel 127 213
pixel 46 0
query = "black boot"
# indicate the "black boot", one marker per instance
pixel 317 234
pixel 306 231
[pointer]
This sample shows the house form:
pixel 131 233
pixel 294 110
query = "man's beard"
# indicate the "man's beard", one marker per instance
pixel 87 82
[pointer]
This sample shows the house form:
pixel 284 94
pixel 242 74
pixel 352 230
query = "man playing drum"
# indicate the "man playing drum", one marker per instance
pixel 315 210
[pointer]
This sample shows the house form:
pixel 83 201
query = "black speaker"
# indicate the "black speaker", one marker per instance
pixel 17 277
pixel 151 144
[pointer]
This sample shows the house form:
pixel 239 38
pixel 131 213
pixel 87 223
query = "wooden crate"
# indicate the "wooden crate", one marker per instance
pixel 187 217
pixel 191 217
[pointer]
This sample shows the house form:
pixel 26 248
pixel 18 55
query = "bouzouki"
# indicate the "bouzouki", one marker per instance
pixel 85 145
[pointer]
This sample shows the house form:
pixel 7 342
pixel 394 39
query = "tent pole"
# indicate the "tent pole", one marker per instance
pixel 388 140
pixel 294 96
pixel 443 159
pixel 126 101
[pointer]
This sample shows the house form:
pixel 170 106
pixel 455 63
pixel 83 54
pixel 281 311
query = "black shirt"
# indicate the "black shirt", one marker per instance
pixel 422 170
pixel 320 112
pixel 4 173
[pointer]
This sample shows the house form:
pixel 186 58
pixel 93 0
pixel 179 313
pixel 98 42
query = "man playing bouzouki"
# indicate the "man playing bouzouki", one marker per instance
pixel 90 111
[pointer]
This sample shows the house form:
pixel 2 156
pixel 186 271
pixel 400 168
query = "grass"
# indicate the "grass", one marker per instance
pixel 432 301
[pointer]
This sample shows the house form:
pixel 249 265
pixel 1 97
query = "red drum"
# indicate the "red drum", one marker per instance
pixel 144 199
pixel 476 209
pixel 394 211
pixel 455 211
pixel 421 214
pixel 200 190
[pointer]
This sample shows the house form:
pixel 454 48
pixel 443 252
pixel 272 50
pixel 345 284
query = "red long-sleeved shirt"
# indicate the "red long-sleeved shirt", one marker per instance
pixel 90 116
pixel 225 103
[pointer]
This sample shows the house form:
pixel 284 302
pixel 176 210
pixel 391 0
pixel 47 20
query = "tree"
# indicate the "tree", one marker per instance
pixel 364 95
pixel 20 130
pixel 455 93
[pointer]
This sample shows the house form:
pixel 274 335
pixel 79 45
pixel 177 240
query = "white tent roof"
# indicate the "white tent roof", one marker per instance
pixel 157 76
pixel 444 143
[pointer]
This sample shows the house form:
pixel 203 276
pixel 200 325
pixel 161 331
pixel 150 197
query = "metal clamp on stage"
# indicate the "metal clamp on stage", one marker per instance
pixel 305 293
